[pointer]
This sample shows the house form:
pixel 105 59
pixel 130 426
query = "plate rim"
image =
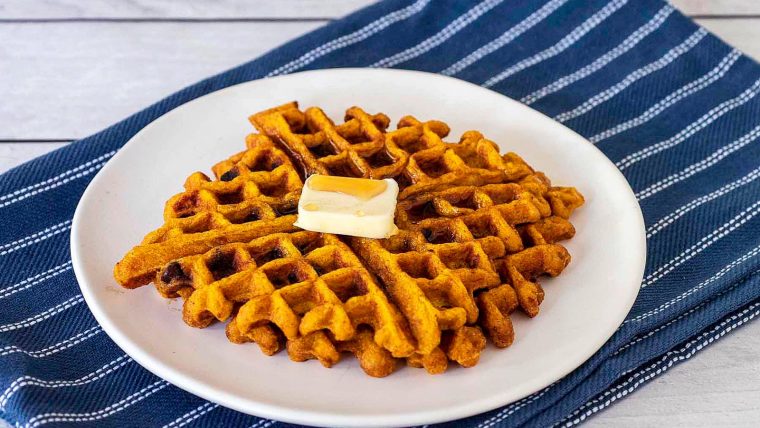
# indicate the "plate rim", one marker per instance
pixel 324 418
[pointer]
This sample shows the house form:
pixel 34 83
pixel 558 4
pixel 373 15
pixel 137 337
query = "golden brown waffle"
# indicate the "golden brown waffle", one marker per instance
pixel 519 290
pixel 375 360
pixel 299 283
pixel 414 154
pixel 476 229
pixel 456 242
pixel 255 194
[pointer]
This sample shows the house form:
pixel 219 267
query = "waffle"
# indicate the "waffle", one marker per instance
pixel 300 287
pixel 476 230
pixel 255 194
pixel 414 155
pixel 457 242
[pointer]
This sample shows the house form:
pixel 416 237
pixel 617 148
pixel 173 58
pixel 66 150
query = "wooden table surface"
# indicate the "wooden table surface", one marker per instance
pixel 69 68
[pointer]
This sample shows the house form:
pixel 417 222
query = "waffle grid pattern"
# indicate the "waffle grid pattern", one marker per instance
pixel 476 229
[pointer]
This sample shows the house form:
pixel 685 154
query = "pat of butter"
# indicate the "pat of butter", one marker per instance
pixel 348 206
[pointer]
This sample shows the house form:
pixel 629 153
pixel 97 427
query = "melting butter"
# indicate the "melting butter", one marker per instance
pixel 361 188
pixel 348 206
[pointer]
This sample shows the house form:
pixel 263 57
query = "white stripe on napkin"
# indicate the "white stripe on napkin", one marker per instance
pixel 446 33
pixel 565 43
pixel 506 37
pixel 634 76
pixel 701 123
pixel 691 88
pixel 631 41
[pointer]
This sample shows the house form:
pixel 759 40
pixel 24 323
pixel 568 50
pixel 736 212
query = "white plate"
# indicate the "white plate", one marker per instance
pixel 583 306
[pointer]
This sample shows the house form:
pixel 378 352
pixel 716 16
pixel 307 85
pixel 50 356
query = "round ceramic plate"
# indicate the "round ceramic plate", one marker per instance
pixel 583 306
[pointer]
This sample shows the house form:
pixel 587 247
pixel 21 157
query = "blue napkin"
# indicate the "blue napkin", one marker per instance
pixel 674 107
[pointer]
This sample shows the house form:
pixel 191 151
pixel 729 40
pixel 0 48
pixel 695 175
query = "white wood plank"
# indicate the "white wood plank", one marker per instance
pixel 193 9
pixel 743 33
pixel 719 386
pixel 70 80
pixel 201 9
pixel 14 154
pixel 718 7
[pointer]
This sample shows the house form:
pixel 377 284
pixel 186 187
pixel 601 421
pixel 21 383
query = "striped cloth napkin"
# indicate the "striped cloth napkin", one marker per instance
pixel 672 106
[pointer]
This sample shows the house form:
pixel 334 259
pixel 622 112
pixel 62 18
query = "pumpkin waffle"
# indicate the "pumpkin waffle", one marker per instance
pixel 476 230
pixel 292 285
pixel 255 194
pixel 414 154
pixel 457 242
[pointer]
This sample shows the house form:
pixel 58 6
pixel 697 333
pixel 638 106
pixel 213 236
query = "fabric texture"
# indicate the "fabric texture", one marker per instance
pixel 672 106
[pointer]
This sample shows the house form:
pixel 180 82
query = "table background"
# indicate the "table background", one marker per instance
pixel 69 68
